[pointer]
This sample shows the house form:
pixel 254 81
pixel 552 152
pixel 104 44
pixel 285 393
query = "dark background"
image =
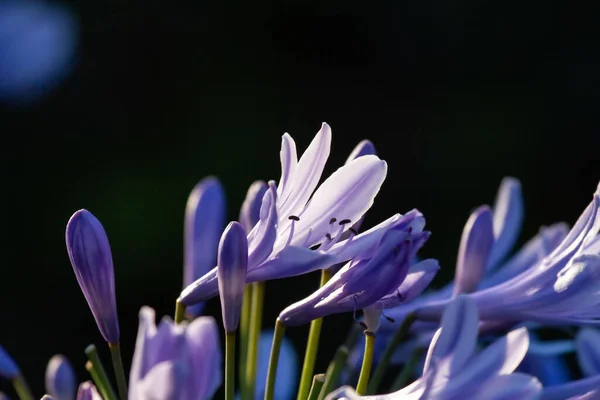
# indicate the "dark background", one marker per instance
pixel 455 95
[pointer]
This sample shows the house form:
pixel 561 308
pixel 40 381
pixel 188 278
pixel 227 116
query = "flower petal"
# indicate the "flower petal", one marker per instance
pixel 508 219
pixel 508 387
pixel 365 147
pixel 291 261
pixel 263 235
pixel 418 278
pixel 202 336
pixel 573 388
pixel 289 162
pixel 250 212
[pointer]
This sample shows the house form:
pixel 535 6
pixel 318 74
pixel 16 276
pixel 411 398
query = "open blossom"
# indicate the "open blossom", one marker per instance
pixel 203 224
pixel 373 280
pixel 453 369
pixel 561 288
pixel 172 361
pixel 289 224
pixel 91 258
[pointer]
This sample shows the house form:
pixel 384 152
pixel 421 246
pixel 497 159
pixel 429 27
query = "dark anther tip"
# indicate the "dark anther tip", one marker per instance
pixel 369 333
pixel 294 218
pixel 332 220
pixel 328 236
pixel 345 221
pixel 409 229
pixel 363 325
pixel 390 319
pixel 396 251
pixel 354 231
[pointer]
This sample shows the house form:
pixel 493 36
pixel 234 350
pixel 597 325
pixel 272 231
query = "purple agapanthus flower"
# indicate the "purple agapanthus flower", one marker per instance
pixel 588 354
pixel 61 382
pixel 373 280
pixel 205 214
pixel 561 288
pixel 293 219
pixel 175 361
pixel 87 391
pixel 452 369
pixel 91 258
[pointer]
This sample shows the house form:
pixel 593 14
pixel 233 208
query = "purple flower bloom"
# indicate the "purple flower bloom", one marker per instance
pixel 290 225
pixel 172 361
pixel 87 391
pixel 8 367
pixel 37 48
pixel 250 212
pixel 375 279
pixel 452 370
pixel 232 264
pixel 204 221
pixel 61 383
pixel 90 255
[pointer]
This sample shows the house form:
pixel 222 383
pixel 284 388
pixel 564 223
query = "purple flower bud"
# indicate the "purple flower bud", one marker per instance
pixel 44 397
pixel 250 212
pixel 87 391
pixel 232 265
pixel 204 220
pixel 8 368
pixel 60 378
pixel 475 247
pixel 89 252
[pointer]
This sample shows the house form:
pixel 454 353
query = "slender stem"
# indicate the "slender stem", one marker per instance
pixel 408 370
pixel 117 360
pixel 22 388
pixel 244 333
pixel 315 388
pixel 104 385
pixel 179 312
pixel 365 371
pixel 274 360
pixel 89 367
pixel 389 352
pixel 229 365
pixel 312 346
pixel 334 370
pixel 258 294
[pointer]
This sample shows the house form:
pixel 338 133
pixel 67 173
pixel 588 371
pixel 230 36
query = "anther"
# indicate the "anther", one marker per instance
pixel 354 231
pixel 332 220
pixel 389 319
pixel 363 325
pixel 294 218
pixel 345 221
pixel 328 236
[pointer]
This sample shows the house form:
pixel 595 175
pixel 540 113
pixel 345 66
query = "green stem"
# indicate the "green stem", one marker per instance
pixel 334 370
pixel 89 367
pixel 389 352
pixel 274 360
pixel 258 294
pixel 365 371
pixel 408 370
pixel 229 365
pixel 179 312
pixel 317 384
pixel 22 388
pixel 104 385
pixel 244 333
pixel 312 347
pixel 117 361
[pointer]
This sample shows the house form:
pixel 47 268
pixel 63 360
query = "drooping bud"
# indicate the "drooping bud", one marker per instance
pixel 87 391
pixel 8 367
pixel 475 247
pixel 232 265
pixel 90 255
pixel 61 383
pixel 204 220
pixel 250 212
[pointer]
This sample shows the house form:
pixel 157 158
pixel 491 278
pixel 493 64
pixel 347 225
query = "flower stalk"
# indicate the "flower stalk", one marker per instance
pixel 103 383
pixel 274 360
pixel 365 371
pixel 117 360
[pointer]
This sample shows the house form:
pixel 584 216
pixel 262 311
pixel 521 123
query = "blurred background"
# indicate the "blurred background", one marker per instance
pixel 122 107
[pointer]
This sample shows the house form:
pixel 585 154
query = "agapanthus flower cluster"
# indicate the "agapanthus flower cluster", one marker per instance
pixel 475 338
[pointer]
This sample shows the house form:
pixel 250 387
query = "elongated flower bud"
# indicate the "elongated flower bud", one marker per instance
pixel 8 367
pixel 204 221
pixel 250 212
pixel 232 265
pixel 61 383
pixel 87 391
pixel 475 247
pixel 90 255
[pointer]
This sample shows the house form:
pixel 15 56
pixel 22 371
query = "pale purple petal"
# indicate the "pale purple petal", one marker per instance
pixel 262 237
pixel 146 330
pixel 203 341
pixel 164 381
pixel 508 387
pixel 571 389
pixel 475 247
pixel 454 342
pixel 365 147
pixel 508 219
pixel 291 261
pixel 87 391
pixel 289 162
pixel 588 351
pixel 418 278
pixel 250 212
